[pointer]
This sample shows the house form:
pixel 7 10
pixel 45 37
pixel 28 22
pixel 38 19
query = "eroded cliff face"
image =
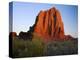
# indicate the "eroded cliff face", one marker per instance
pixel 49 25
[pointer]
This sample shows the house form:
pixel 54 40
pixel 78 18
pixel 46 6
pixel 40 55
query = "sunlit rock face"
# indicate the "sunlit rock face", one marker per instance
pixel 49 25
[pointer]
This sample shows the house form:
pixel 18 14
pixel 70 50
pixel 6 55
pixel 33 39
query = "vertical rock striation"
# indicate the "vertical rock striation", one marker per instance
pixel 49 25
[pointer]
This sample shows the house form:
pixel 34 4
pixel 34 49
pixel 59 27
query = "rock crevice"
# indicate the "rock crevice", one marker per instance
pixel 49 24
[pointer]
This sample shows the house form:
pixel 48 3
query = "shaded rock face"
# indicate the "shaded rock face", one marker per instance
pixel 49 25
pixel 69 37
pixel 12 34
pixel 25 35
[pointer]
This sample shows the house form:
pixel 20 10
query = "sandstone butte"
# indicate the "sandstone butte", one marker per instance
pixel 49 25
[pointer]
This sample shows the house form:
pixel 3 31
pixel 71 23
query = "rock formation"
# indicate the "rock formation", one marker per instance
pixel 13 34
pixel 49 25
pixel 25 35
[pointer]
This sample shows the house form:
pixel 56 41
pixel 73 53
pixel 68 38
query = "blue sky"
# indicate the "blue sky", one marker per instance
pixel 24 15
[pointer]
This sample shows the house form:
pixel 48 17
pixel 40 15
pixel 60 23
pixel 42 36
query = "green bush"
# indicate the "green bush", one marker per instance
pixel 27 48
pixel 62 47
pixel 36 47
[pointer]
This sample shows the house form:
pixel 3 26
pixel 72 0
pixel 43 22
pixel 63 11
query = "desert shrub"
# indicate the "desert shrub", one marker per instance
pixel 62 47
pixel 36 47
pixel 27 48
pixel 17 46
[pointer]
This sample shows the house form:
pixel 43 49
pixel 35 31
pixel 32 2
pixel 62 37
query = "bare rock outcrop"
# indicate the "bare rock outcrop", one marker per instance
pixel 49 25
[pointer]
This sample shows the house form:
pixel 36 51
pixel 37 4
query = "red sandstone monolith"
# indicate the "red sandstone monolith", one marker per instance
pixel 49 25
